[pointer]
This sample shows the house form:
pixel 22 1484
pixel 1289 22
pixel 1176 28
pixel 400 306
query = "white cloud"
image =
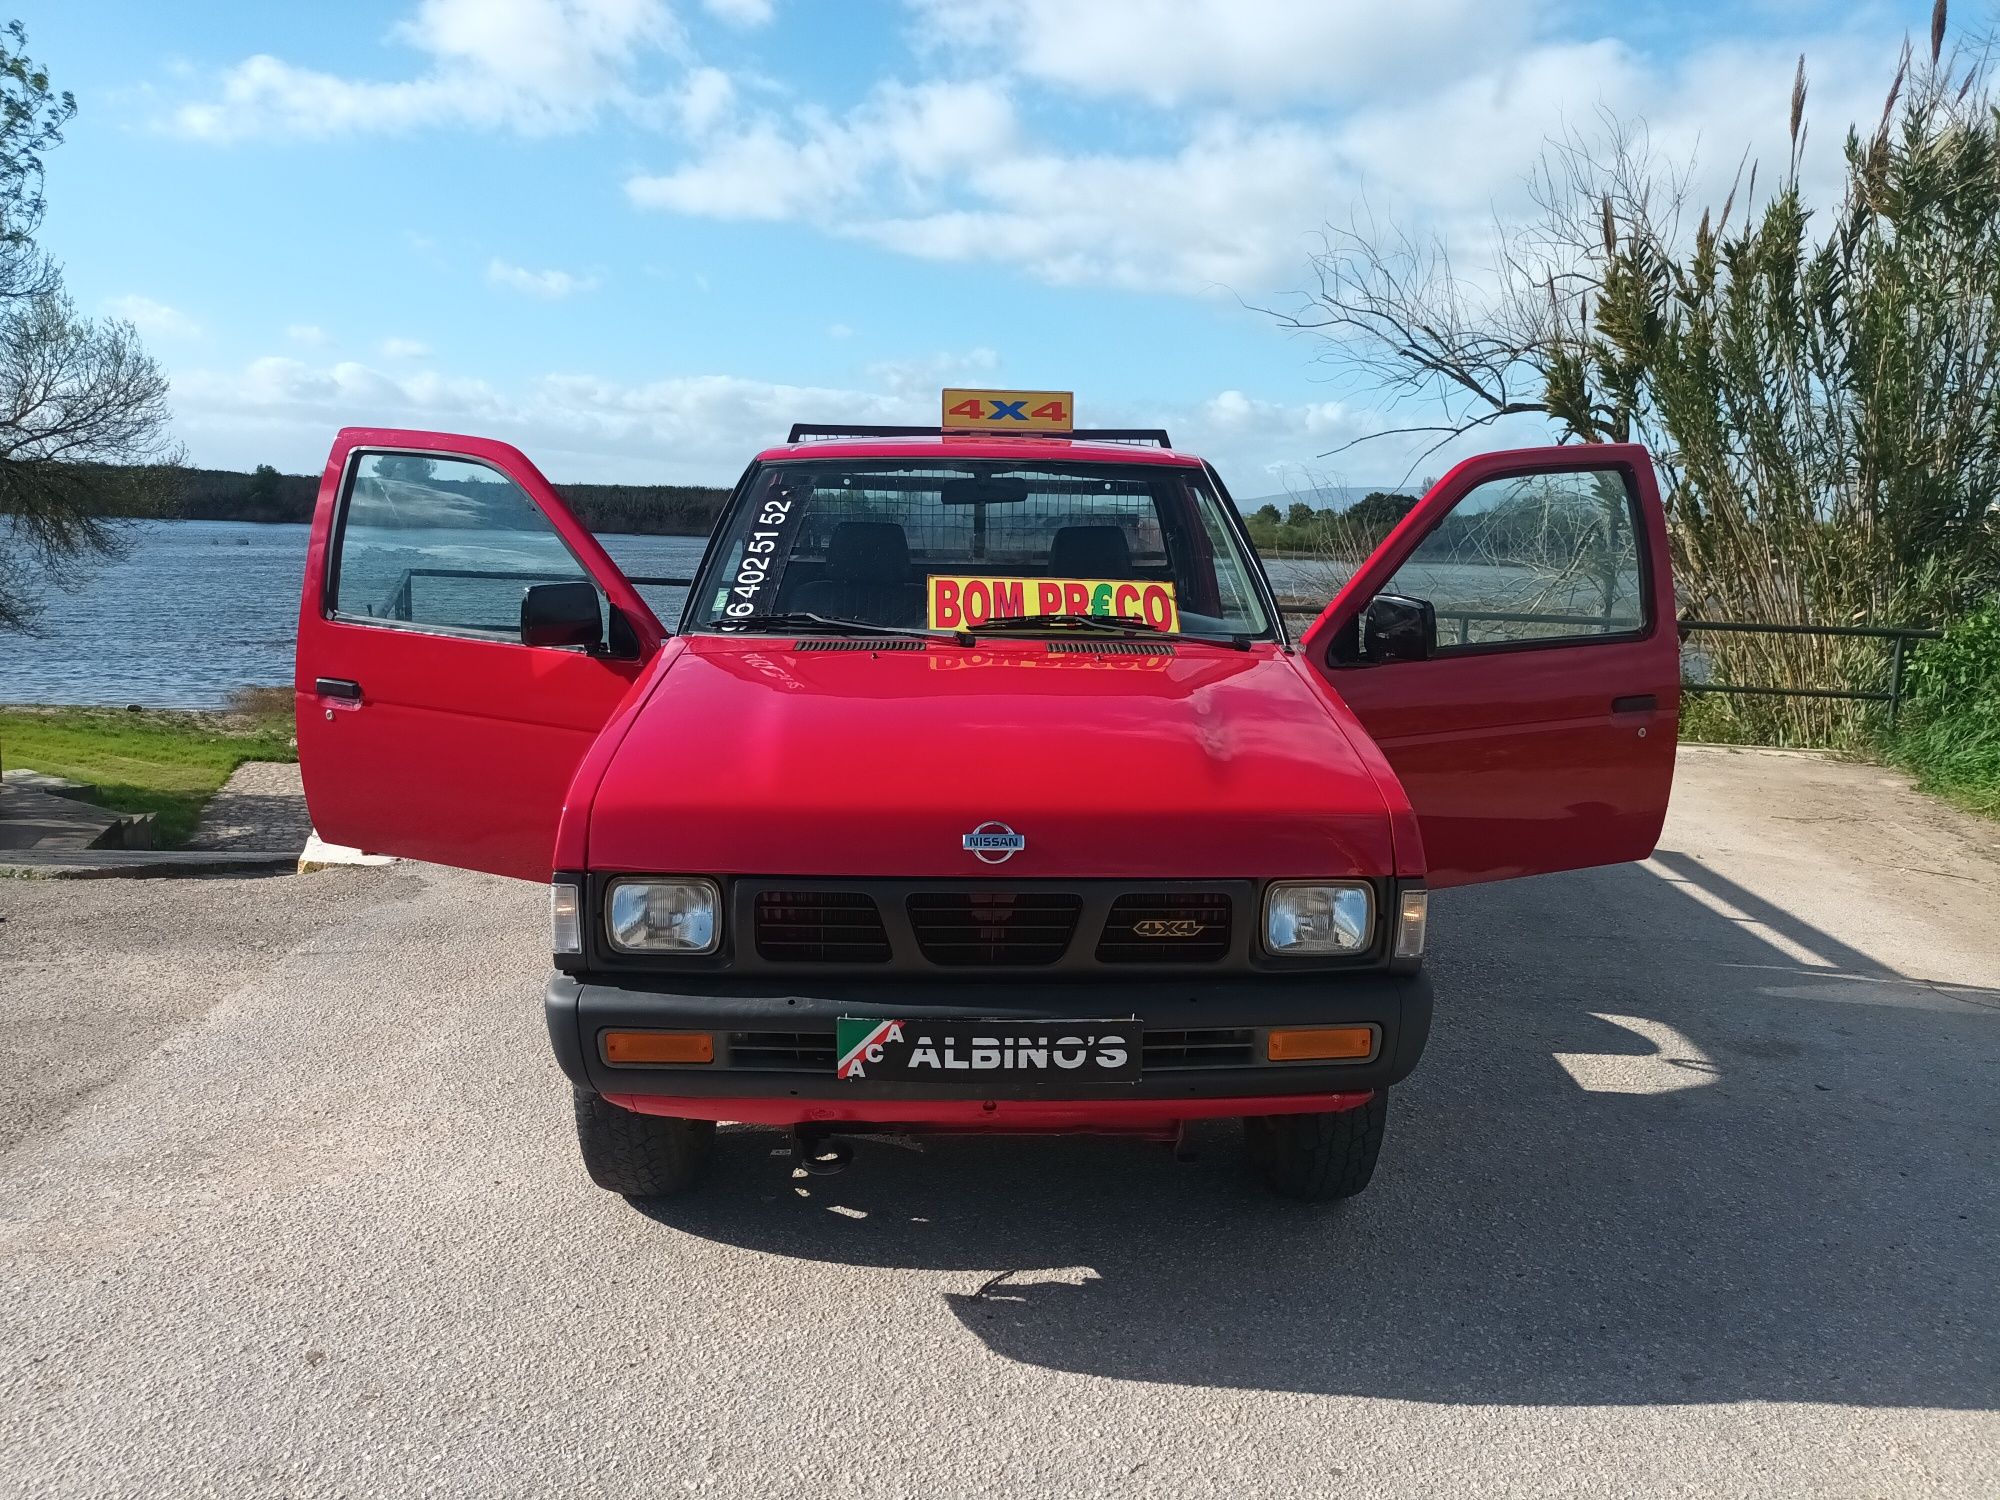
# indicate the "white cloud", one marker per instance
pixel 693 429
pixel 839 331
pixel 690 429
pixel 1254 53
pixel 947 172
pixel 311 335
pixel 1231 207
pixel 739 12
pixel 704 99
pixel 928 374
pixel 154 319
pixel 907 135
pixel 535 66
pixel 395 348
pixel 551 286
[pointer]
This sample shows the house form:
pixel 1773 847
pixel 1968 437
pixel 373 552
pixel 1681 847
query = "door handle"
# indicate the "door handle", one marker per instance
pixel 1638 703
pixel 337 687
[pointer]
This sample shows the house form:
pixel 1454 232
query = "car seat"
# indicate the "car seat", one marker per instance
pixel 1090 552
pixel 867 577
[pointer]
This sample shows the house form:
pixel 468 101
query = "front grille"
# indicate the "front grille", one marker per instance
pixel 969 929
pixel 1213 1047
pixel 1111 648
pixel 884 643
pixel 820 927
pixel 1166 927
pixel 782 1051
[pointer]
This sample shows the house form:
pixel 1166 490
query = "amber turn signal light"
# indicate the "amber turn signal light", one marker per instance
pixel 1321 1044
pixel 628 1047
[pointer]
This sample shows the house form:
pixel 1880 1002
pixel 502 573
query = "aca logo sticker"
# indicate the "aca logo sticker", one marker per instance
pixel 958 601
pixel 861 1042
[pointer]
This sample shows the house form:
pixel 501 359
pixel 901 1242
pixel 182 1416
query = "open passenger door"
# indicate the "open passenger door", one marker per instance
pixel 462 641
pixel 1511 648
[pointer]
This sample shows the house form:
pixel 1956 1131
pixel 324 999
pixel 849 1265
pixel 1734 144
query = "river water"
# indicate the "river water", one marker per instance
pixel 197 609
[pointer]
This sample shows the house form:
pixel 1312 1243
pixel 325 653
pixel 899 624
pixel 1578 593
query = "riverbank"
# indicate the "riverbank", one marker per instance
pixel 162 761
pixel 266 497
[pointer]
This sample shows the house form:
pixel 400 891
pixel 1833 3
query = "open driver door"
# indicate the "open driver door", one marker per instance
pixel 1511 647
pixel 463 639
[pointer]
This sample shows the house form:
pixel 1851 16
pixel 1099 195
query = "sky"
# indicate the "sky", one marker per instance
pixel 640 238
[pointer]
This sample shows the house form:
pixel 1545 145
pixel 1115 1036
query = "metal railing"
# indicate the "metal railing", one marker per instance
pixel 1898 637
pixel 401 605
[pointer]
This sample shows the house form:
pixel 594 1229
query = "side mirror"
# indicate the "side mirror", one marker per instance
pixel 562 614
pixel 1395 628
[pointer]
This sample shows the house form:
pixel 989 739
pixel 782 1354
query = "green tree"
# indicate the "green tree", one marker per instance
pixel 1377 509
pixel 1300 516
pixel 1267 514
pixel 83 408
pixel 409 467
pixel 262 490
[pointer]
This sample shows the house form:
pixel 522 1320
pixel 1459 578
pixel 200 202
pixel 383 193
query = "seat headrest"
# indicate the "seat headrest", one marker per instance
pixel 1089 552
pixel 868 552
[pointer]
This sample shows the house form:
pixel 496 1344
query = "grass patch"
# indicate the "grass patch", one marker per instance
pixel 160 761
pixel 1957 757
pixel 1950 738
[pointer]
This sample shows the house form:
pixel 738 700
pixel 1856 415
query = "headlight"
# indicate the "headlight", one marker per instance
pixel 1301 920
pixel 663 916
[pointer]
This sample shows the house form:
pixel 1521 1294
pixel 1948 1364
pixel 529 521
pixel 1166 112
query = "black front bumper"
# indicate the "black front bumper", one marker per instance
pixel 580 1009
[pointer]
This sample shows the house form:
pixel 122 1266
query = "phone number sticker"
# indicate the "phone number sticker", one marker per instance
pixel 764 550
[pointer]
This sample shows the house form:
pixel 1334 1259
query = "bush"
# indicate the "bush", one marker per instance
pixel 1950 732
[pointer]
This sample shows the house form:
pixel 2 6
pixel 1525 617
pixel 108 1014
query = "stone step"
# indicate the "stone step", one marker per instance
pixel 41 781
pixel 31 819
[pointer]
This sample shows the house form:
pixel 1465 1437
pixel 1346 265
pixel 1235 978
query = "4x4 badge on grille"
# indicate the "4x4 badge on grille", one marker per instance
pixel 1177 927
pixel 994 843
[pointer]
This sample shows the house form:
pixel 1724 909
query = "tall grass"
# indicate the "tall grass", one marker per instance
pixel 1950 735
pixel 1822 391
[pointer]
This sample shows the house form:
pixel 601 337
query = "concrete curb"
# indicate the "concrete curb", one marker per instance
pixel 139 864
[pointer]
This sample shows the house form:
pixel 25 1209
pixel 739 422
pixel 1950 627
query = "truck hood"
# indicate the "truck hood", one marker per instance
pixel 755 757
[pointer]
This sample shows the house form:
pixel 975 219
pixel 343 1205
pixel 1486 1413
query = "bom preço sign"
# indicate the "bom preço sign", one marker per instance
pixel 957 601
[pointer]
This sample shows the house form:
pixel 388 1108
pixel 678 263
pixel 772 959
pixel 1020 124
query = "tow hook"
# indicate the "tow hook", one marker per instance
pixel 820 1156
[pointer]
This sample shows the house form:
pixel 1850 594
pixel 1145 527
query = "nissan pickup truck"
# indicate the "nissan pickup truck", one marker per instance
pixel 981 783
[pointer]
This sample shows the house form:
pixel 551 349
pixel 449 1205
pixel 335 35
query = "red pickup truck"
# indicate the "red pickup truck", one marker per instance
pixel 980 784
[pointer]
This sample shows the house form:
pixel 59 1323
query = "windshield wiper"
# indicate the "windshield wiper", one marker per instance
pixel 839 624
pixel 1073 622
pixel 1106 624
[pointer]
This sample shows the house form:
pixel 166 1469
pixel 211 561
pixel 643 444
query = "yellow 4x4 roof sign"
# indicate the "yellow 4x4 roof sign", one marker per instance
pixel 1009 411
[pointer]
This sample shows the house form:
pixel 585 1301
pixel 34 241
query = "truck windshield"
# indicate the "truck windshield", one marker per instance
pixel 977 544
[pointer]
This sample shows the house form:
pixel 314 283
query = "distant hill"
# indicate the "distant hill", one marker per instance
pixel 268 496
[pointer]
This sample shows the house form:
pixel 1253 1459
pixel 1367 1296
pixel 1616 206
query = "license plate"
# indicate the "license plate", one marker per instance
pixel 983 1054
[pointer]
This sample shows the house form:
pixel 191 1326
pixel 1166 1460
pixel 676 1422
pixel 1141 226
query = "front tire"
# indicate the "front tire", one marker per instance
pixel 1322 1157
pixel 641 1156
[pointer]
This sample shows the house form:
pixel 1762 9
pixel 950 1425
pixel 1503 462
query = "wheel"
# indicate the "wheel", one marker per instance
pixel 1318 1158
pixel 641 1156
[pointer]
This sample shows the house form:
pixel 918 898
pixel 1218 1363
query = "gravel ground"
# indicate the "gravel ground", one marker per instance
pixel 261 806
pixel 1694 1195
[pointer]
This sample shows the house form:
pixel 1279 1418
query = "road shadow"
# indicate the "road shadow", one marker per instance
pixel 1810 1216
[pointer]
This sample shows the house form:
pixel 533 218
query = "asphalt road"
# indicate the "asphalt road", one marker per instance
pixel 1693 1195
